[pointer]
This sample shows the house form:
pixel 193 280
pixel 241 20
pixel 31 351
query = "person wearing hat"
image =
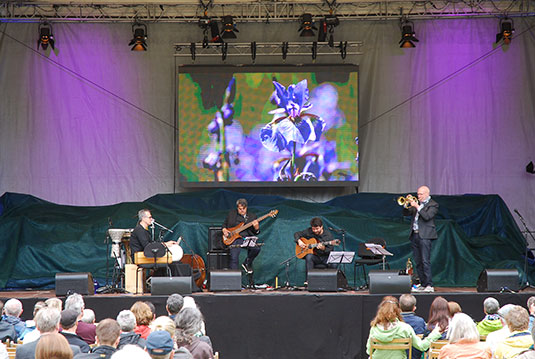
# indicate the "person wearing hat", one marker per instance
pixel 160 345
pixel 69 324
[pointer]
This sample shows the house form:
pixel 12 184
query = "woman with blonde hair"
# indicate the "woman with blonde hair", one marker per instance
pixel 463 338
pixel 53 346
pixel 144 316
pixel 388 325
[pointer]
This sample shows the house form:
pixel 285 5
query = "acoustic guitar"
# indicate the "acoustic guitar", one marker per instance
pixel 311 244
pixel 235 231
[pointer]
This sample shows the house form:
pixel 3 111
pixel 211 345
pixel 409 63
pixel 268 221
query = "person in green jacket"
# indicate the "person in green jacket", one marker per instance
pixel 492 321
pixel 388 324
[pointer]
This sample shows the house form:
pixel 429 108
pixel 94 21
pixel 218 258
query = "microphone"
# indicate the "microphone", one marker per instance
pixel 110 223
pixel 519 215
pixel 161 226
pixel 337 230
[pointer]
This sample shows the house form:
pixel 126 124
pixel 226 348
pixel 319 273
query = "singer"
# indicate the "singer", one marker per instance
pixel 324 245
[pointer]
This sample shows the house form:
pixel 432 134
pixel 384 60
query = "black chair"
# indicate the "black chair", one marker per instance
pixel 367 258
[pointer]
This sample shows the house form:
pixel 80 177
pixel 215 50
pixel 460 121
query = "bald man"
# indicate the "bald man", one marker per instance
pixel 423 233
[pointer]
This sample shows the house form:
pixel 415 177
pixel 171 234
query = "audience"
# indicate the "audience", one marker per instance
pixel 69 324
pixel 88 316
pixel 407 303
pixel 463 338
pixel 520 339
pixel 86 331
pixel 188 323
pixel 174 305
pixel 54 303
pixel 439 315
pixel 494 338
pixel 130 352
pixel 12 311
pixel 127 322
pixel 107 338
pixel 53 346
pixel 31 332
pixel 7 330
pixel 491 322
pixel 160 345
pixel 531 310
pixel 167 324
pixel 144 316
pixel 388 325
pixel 3 351
pixel 454 308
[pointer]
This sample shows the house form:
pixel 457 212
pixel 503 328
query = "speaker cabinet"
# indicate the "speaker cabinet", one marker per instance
pixel 389 282
pixel 170 285
pixel 68 283
pixel 223 280
pixel 215 238
pixel 217 260
pixel 326 280
pixel 495 280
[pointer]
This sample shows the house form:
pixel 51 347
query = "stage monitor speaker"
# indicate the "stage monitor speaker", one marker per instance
pixel 215 239
pixel 389 282
pixel 223 280
pixel 170 285
pixel 496 280
pixel 326 280
pixel 217 260
pixel 69 283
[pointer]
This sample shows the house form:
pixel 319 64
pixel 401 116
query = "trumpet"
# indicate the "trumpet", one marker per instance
pixel 406 201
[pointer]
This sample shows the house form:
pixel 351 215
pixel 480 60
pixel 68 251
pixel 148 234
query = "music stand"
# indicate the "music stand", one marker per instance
pixel 340 257
pixel 378 250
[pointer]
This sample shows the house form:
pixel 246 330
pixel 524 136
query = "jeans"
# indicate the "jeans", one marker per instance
pixel 252 252
pixel 421 250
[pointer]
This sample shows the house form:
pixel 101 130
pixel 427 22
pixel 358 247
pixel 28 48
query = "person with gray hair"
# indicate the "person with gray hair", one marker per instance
pixel 491 322
pixel 517 320
pixel 47 321
pixel 463 338
pixel 88 316
pixel 12 311
pixel 235 218
pixel 188 322
pixel 494 338
pixel 174 304
pixel 86 331
pixel 531 309
pixel 127 322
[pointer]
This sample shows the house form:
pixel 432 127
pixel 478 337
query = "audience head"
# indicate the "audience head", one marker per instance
pixel 130 351
pixel 13 307
pixel 126 320
pixel 174 303
pixel 47 320
pixel 160 345
pixel 454 308
pixel 517 319
pixel 491 305
pixel 531 305
pixel 54 303
pixel 88 316
pixel 69 319
pixel 108 332
pixel 439 314
pixel 75 301
pixel 163 323
pixel 407 302
pixel 37 307
pixel 53 346
pixel 142 312
pixel 387 312
pixel 188 322
pixel 152 309
pixel 462 327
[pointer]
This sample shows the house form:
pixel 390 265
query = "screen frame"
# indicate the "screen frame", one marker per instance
pixel 246 68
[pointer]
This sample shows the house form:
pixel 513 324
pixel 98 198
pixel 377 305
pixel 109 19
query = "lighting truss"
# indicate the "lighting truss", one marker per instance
pixel 254 11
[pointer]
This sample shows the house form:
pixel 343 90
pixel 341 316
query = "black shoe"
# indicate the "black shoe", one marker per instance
pixel 247 268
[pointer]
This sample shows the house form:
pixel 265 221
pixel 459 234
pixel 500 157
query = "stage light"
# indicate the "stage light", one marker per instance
pixel 253 50
pixel 314 50
pixel 327 25
pixel 506 31
pixel 530 168
pixel 45 36
pixel 192 50
pixel 208 24
pixel 407 35
pixel 307 26
pixel 284 50
pixel 343 49
pixel 228 28
pixel 139 41
pixel 224 50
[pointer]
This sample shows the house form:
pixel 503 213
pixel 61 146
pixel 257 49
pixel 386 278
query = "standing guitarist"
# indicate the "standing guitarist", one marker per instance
pixel 234 218
pixel 321 252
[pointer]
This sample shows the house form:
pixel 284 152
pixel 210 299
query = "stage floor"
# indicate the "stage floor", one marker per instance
pixel 284 323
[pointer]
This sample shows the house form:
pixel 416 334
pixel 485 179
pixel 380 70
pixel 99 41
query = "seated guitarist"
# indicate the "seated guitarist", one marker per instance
pixel 321 252
pixel 234 218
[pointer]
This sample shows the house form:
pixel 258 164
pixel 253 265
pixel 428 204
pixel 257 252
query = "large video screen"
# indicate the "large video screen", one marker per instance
pixel 268 125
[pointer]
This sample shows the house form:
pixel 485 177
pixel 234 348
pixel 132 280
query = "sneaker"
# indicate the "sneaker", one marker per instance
pixel 417 288
pixel 248 269
pixel 428 289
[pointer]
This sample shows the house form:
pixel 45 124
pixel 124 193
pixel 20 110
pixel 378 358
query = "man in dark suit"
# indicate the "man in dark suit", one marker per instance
pixel 423 233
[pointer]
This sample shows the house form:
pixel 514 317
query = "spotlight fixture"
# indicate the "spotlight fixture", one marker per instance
pixel 407 35
pixel 45 36
pixel 284 50
pixel 307 26
pixel 139 41
pixel 506 31
pixel 530 168
pixel 208 24
pixel 327 25
pixel 228 27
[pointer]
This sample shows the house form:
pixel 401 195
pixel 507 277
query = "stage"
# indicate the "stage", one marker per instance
pixel 284 323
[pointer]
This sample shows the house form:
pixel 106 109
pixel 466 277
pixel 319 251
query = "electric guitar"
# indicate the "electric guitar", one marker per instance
pixel 311 244
pixel 235 231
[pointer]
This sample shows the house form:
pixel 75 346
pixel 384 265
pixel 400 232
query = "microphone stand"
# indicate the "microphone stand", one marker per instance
pixel 286 263
pixel 526 285
pixel 343 232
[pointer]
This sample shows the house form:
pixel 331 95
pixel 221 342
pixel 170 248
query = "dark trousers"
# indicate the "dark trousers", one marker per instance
pixel 421 251
pixel 252 252
pixel 313 260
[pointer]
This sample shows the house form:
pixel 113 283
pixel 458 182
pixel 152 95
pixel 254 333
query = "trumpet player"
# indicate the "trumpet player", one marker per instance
pixel 423 232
